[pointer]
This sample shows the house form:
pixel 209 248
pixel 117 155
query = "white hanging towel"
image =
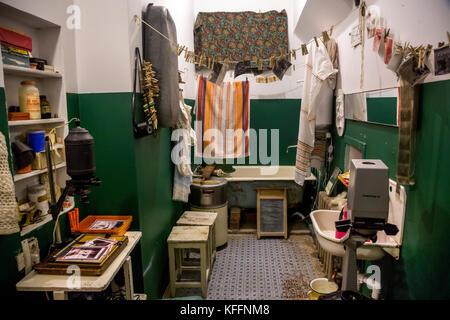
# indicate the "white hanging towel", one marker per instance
pixel 316 90
pixel 184 135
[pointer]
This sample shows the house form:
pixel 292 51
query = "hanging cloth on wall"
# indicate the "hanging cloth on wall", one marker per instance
pixel 223 120
pixel 8 206
pixel 242 36
pixel 319 68
pixel 163 56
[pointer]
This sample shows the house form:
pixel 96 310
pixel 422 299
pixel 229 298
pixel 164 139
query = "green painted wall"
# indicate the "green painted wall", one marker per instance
pixel 158 213
pixel 422 271
pixel 137 177
pixel 280 114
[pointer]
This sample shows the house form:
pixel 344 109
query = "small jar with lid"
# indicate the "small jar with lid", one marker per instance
pixel 29 100
pixel 46 112
pixel 38 196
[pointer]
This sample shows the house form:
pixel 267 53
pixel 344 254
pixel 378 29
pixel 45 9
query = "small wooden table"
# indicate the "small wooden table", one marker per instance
pixel 60 285
pixel 188 237
pixel 200 218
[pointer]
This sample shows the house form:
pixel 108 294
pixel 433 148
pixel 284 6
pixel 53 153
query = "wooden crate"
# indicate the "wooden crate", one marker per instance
pixel 235 218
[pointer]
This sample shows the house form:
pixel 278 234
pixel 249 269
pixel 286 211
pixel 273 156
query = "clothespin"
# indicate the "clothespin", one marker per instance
pixel 386 33
pixel 260 64
pixel 325 36
pixel 294 54
pixel 331 30
pixel 180 49
pixel 137 19
pixel 200 62
pixel 317 43
pixel 304 49
pixel 429 48
pixel 271 62
pixel 363 9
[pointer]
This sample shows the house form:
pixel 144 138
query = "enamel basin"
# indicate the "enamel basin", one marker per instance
pixel 323 222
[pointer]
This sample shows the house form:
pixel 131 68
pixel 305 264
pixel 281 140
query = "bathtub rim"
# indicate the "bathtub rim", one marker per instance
pixel 312 177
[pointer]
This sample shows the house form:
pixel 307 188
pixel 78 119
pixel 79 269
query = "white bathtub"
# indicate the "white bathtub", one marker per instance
pixel 264 173
pixel 242 184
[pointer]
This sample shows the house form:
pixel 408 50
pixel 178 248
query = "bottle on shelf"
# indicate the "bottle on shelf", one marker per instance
pixel 46 112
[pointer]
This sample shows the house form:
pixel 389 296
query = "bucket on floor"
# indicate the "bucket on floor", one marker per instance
pixel 320 287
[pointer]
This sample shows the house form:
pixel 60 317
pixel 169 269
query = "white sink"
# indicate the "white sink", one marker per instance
pixel 323 222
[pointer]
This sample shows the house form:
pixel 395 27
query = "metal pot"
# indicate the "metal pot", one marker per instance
pixel 209 195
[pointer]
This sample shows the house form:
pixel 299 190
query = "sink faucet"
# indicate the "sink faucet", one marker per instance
pixel 290 147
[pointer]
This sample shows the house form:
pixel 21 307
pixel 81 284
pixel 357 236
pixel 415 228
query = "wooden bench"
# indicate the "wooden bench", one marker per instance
pixel 188 237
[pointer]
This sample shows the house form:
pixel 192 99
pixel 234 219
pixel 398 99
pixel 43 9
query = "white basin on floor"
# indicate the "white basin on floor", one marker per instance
pixel 323 222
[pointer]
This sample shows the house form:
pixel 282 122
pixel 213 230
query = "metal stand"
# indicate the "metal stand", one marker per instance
pixel 349 267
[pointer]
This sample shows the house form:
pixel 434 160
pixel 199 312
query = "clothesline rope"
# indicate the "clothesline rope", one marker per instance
pixel 139 20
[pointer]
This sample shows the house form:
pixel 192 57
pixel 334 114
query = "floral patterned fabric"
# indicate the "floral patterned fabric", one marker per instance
pixel 241 36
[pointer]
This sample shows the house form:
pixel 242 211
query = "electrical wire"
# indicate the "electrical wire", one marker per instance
pixel 62 126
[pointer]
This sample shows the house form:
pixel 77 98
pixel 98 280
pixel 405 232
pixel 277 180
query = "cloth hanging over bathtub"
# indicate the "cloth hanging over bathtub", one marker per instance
pixel 318 85
pixel 222 120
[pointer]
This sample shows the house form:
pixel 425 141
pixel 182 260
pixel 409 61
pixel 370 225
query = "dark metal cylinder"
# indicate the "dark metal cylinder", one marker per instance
pixel 80 155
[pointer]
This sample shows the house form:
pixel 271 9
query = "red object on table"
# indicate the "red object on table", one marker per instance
pixel 85 225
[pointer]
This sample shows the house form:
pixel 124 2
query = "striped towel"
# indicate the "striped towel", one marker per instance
pixel 223 120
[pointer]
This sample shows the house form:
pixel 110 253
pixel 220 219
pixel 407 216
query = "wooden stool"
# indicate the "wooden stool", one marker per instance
pixel 200 218
pixel 190 237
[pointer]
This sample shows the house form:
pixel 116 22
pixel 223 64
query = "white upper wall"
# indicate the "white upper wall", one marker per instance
pixel 317 16
pixel 102 47
pixel 99 57
pixel 416 21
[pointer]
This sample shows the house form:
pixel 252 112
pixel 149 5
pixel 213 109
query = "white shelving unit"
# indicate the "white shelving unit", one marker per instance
pixel 44 220
pixel 47 44
pixel 27 72
pixel 33 173
pixel 36 122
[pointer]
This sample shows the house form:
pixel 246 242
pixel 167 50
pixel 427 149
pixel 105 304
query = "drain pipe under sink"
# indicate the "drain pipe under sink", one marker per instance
pixel 372 284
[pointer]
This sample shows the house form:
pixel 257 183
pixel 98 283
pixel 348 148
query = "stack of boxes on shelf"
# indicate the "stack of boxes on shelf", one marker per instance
pixel 16 48
pixel 16 51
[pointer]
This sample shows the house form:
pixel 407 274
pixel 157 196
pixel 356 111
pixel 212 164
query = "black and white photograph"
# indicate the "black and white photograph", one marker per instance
pixel 442 60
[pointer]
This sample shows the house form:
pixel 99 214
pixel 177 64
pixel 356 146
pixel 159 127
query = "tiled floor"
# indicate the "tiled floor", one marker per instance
pixel 270 268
